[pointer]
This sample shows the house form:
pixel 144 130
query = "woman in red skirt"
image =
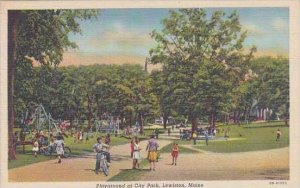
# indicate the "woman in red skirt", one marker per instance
pixel 175 152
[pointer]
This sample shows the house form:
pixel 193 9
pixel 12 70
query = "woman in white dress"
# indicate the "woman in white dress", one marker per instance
pixel 59 143
pixel 35 148
pixel 136 154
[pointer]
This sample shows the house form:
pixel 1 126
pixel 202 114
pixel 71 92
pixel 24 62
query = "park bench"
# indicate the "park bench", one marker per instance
pixel 23 143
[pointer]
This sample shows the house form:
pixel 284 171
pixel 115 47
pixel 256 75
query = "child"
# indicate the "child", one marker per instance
pixel 107 139
pixel 278 134
pixel 136 154
pixel 59 147
pixel 80 137
pixel 35 148
pixel 175 152
pixel 131 148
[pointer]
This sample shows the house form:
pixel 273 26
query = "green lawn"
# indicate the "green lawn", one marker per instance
pixel 247 137
pixel 251 137
pixel 134 175
pixel 84 147
pixel 76 148
pixel 182 149
pixel 27 158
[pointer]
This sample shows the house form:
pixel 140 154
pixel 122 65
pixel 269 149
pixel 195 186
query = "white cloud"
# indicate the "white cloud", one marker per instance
pixel 253 30
pixel 280 24
pixel 119 39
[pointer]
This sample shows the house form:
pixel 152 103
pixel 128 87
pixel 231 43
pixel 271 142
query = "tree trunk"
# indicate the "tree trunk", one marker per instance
pixel 238 117
pixel 212 120
pixel 234 117
pixel 245 114
pixel 130 119
pixel 165 119
pixel 13 22
pixel 89 113
pixel 194 123
pixel 141 122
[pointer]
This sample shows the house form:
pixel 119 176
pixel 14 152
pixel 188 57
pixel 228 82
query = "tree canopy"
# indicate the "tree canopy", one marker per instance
pixel 201 57
pixel 206 72
pixel 42 35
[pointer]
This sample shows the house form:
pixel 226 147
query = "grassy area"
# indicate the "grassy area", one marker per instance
pixel 135 175
pixel 84 147
pixel 182 149
pixel 27 158
pixel 265 124
pixel 76 148
pixel 131 174
pixel 261 136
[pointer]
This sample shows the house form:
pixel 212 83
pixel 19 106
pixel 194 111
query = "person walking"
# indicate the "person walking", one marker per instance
pixel 174 153
pixel 156 133
pixel 80 136
pixel 136 154
pixel 59 143
pixel 169 131
pixel 87 137
pixel 98 148
pixel 206 137
pixel 107 140
pixel 152 152
pixel 194 135
pixel 278 135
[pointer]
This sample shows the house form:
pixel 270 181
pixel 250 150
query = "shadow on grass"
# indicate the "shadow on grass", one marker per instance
pixel 129 174
pixel 264 126
pixel 137 169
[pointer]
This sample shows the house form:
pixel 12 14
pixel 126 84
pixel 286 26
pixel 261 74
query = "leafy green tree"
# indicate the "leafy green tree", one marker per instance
pixel 272 84
pixel 200 54
pixel 42 35
pixel 161 89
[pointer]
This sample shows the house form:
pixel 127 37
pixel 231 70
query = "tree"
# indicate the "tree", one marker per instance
pixel 161 89
pixel 199 54
pixel 272 84
pixel 41 35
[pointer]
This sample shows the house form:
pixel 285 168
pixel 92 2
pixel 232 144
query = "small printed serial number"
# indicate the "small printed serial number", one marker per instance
pixel 278 183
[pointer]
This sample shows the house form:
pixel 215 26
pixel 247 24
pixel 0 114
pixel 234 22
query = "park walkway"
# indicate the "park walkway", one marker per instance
pixel 255 165
pixel 77 169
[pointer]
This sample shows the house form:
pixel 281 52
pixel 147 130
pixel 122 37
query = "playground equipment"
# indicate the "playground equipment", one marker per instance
pixel 41 120
pixel 107 127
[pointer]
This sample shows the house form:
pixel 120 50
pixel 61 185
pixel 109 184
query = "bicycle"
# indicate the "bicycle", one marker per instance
pixel 103 164
pixel 51 150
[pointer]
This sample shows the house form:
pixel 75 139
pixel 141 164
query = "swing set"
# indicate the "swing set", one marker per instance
pixel 41 120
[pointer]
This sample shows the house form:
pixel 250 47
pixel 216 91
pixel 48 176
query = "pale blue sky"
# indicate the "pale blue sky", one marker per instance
pixel 125 32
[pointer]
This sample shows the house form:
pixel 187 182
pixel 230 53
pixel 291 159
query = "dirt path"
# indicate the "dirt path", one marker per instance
pixel 258 165
pixel 77 169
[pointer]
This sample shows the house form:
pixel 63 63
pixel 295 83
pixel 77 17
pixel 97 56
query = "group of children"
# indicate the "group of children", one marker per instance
pixel 152 153
pixel 40 142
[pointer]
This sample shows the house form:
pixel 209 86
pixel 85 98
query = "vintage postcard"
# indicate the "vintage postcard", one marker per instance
pixel 150 94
